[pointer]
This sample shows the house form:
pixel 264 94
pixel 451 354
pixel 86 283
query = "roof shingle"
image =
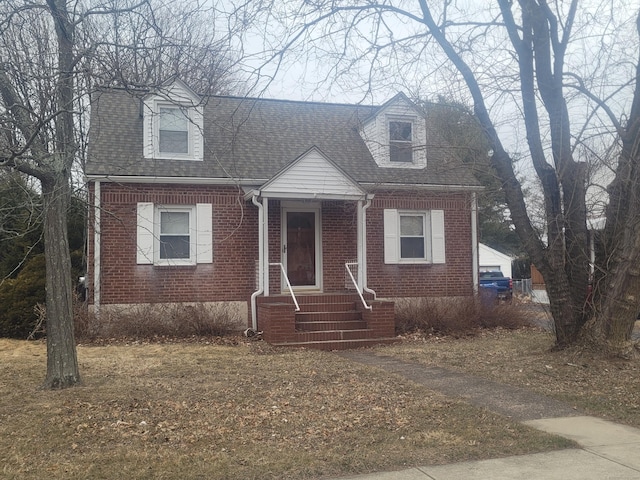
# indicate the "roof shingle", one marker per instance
pixel 252 139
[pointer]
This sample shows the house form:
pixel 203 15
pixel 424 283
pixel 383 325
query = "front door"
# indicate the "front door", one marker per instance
pixel 300 247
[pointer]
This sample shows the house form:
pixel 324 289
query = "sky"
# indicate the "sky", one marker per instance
pixel 326 65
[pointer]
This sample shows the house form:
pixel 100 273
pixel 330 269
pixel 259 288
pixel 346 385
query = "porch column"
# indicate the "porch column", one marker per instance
pixel 474 242
pixel 97 247
pixel 361 245
pixel 265 246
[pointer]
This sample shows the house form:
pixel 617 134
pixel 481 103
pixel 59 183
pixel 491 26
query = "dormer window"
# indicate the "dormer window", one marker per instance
pixel 173 131
pixel 400 141
pixel 396 135
pixel 173 122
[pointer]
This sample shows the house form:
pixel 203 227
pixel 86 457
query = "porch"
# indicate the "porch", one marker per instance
pixel 329 321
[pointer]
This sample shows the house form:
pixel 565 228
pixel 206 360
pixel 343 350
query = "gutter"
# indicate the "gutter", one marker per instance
pixel 97 240
pixel 260 290
pixel 422 187
pixel 175 180
pixel 364 248
pixel 474 242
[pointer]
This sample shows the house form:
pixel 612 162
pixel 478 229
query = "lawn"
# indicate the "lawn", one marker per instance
pixel 209 411
pixel 603 387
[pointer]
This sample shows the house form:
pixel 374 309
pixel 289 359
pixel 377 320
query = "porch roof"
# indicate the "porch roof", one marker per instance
pixel 312 176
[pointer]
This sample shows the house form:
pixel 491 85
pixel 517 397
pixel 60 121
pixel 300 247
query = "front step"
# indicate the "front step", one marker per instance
pixel 339 344
pixel 321 317
pixel 326 322
pixel 324 325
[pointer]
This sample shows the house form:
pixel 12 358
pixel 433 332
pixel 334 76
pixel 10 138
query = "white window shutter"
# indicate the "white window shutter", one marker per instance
pixel 391 254
pixel 437 236
pixel 197 137
pixel 144 237
pixel 147 129
pixel 204 233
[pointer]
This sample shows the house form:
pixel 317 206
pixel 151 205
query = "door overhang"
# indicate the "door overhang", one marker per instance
pixel 312 176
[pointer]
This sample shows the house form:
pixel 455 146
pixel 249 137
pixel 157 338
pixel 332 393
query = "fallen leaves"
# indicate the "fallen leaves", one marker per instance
pixel 191 410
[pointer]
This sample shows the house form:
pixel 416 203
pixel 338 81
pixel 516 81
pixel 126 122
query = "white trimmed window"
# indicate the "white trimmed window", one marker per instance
pixel 173 125
pixel 174 235
pixel 173 131
pixel 400 141
pixel 413 236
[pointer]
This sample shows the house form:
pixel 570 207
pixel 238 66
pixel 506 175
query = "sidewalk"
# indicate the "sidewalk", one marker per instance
pixel 608 450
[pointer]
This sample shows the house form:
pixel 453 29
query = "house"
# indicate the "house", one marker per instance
pixel 308 218
pixel 491 260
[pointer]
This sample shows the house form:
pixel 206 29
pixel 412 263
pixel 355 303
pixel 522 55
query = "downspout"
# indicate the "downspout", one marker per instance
pixel 254 295
pixel 474 241
pixel 364 248
pixel 96 249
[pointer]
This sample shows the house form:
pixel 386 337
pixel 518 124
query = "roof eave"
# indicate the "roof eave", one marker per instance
pixel 421 186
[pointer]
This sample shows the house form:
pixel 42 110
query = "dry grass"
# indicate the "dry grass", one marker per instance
pixel 599 386
pixel 224 412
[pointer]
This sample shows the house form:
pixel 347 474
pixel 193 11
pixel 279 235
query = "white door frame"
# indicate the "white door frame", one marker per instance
pixel 316 208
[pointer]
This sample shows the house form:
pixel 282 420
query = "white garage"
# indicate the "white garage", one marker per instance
pixel 491 260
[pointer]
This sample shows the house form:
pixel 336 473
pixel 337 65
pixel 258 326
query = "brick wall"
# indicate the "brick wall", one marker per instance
pixel 232 275
pixel 339 242
pixel 235 247
pixel 454 278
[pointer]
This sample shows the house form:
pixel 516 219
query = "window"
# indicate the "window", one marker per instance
pixel 414 236
pixel 400 141
pixel 174 235
pixel 173 131
pixel 172 125
pixel 396 135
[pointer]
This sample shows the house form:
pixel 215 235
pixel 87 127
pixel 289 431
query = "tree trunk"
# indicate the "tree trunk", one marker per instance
pixel 62 361
pixel 617 282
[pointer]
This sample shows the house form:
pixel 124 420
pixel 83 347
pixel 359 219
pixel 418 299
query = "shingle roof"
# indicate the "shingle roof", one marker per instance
pixel 253 139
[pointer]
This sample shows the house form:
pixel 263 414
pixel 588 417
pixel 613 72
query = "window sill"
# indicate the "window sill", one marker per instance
pixel 175 157
pixel 175 265
pixel 410 165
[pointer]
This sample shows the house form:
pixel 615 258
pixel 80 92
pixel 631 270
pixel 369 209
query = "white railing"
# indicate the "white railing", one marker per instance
pixel 355 284
pixel 293 296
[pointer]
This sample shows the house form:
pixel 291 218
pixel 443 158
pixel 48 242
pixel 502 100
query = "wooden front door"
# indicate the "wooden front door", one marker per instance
pixel 301 247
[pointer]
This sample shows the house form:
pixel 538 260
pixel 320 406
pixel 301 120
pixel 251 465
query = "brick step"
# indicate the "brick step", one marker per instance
pixel 327 307
pixel 323 325
pixel 330 335
pixel 322 316
pixel 339 344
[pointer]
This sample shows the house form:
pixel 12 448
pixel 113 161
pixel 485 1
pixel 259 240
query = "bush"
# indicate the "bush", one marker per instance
pixel 454 317
pixel 19 297
pixel 147 322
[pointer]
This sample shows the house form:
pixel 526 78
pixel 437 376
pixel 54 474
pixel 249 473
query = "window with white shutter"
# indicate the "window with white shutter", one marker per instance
pixel 414 236
pixel 174 235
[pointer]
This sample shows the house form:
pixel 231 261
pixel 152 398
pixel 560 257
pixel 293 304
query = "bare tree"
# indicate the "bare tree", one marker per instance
pixel 52 53
pixel 556 67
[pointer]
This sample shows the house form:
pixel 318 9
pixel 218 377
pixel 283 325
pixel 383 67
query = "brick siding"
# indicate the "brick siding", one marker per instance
pixel 453 278
pixel 235 247
pixel 232 275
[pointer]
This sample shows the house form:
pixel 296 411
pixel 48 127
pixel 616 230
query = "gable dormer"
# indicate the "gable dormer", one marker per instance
pixel 173 123
pixel 396 135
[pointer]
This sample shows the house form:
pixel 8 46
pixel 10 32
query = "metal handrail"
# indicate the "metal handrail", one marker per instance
pixel 355 284
pixel 293 296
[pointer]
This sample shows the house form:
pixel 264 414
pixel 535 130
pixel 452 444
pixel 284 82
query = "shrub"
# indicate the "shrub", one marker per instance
pixel 461 316
pixel 18 298
pixel 146 322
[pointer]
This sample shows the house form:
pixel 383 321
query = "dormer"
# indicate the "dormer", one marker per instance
pixel 173 123
pixel 396 134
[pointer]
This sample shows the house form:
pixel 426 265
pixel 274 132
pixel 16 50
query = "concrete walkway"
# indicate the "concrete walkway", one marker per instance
pixel 608 450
